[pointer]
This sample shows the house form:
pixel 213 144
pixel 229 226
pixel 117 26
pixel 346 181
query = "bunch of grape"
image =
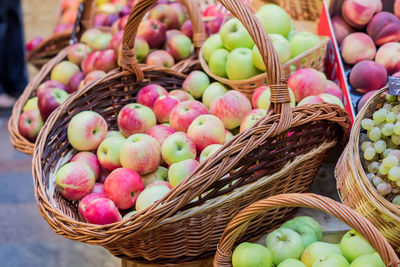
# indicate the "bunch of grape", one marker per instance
pixel 380 149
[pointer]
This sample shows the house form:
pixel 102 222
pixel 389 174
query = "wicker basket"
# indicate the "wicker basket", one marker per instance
pixel 238 226
pixel 355 189
pixel 279 154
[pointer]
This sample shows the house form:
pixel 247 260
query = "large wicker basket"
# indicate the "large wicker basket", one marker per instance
pixel 280 154
pixel 237 227
pixel 357 191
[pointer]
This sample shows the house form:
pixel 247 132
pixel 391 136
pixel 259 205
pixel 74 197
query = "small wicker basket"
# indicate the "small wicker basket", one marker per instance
pixel 357 191
pixel 238 226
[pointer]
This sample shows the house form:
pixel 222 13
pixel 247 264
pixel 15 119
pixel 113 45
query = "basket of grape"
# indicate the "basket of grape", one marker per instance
pixel 298 242
pixel 368 172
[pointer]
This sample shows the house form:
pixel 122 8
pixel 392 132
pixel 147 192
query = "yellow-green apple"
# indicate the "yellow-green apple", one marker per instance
pixel 333 89
pixel 108 153
pixel 284 244
pixel 291 263
pixel 106 61
pixel 231 108
pixel 353 245
pixel 388 55
pixel 181 95
pixel 123 187
pixel 282 47
pixel 208 151
pixel 160 183
pixel 63 72
pixel 212 43
pixel 312 222
pixel 102 211
pixel 178 147
pixel 309 100
pixel 78 52
pixel 148 94
pixel 195 83
pixel 116 41
pixel 87 130
pixel 50 84
pixel 31 104
pixel 239 65
pixel 89 36
pixel 141 49
pixel 129 215
pixel 302 42
pixel 84 202
pixel 49 100
pixel 307 82
pixel 184 114
pixel 29 124
pixel 161 174
pixel 251 118
pixel 101 42
pixel 141 153
pixel 249 254
pixel 74 82
pixel 318 250
pixel 166 15
pixel 217 62
pixel 98 188
pixel 206 130
pixel 180 47
pixel 178 171
pixel 89 159
pixel 187 28
pixel 212 92
pixel 135 118
pixel 331 99
pixel 160 58
pixel 151 195
pixel 154 32
pixel 307 233
pixel 228 136
pixel 163 106
pixel 234 35
pixel 341 28
pixel 114 134
pixel 88 63
pixel 75 180
pixel 368 75
pixel 356 47
pixel 179 10
pixel 332 260
pixel 160 133
pixel 172 33
pixel 372 260
pixel 93 76
pixel 262 97
pixel 274 19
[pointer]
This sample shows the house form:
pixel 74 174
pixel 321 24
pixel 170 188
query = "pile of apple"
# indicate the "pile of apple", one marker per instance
pixel 232 53
pixel 369 39
pixel 297 243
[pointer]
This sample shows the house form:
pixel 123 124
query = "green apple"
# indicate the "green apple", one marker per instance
pixel 302 42
pixel 180 170
pixel 306 232
pixel 285 244
pixel 108 152
pixel 212 43
pixel 195 83
pixel 150 195
pixel 353 245
pixel 212 92
pixel 161 174
pixel 313 223
pixel 372 260
pixel 248 254
pixel 332 260
pixel 274 19
pixel 114 134
pixel 208 151
pixel 234 35
pixel 31 104
pixel 217 62
pixel 291 263
pixel 282 47
pixel 239 65
pixel 317 251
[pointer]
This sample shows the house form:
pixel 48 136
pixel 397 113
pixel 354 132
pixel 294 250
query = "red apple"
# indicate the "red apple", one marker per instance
pixel 307 82
pixel 85 201
pixel 187 28
pixel 160 58
pixel 160 133
pixel 180 11
pixel 29 124
pixel 180 47
pixel 206 130
pixel 185 113
pixel 61 28
pixel 181 95
pixel 106 61
pixel 333 89
pixel 166 15
pixel 49 100
pixel 32 44
pixel 153 31
pixel 78 52
pixel 89 36
pixel 64 71
pixel 149 94
pixel 74 82
pixel 90 159
pixel 94 76
pixel 50 84
pixel 116 42
pixel 172 33
pixel 88 63
pixel 102 211
pixel 164 183
pixel 98 188
pixel 163 106
pixel 135 118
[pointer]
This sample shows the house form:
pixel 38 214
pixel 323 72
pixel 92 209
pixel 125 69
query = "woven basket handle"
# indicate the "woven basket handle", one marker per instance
pixel 127 59
pixel 84 20
pixel 327 205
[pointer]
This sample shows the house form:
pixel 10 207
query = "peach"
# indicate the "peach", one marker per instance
pixel 90 159
pixel 102 211
pixel 384 27
pixel 333 89
pixel 356 47
pixel 163 106
pixel 160 133
pixel 388 55
pixel 85 201
pixel 341 28
pixel 364 99
pixel 396 8
pixel 358 13
pixel 367 75
pixel 184 114
pixel 149 94
pixel 307 82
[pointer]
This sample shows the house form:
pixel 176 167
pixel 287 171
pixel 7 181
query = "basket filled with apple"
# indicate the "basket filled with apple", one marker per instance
pixel 92 57
pixel 299 242
pixel 136 163
pixel 368 171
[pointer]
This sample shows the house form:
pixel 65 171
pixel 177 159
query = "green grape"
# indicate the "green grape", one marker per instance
pixel 383 170
pixel 377 180
pixel 375 134
pixel 394 173
pixel 388 129
pixel 373 167
pixel 396 128
pixel 396 139
pixel 390 162
pixel 384 188
pixel 396 109
pixel 396 200
pixel 369 153
pixel 398 116
pixel 396 153
pixel 391 98
pixel 391 117
pixel 391 145
pixel 387 106
pixel 367 124
pixel 386 152
pixel 398 98
pixel 380 146
pixel 365 145
pixel 380 115
pixel 398 183
pixel 370 176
